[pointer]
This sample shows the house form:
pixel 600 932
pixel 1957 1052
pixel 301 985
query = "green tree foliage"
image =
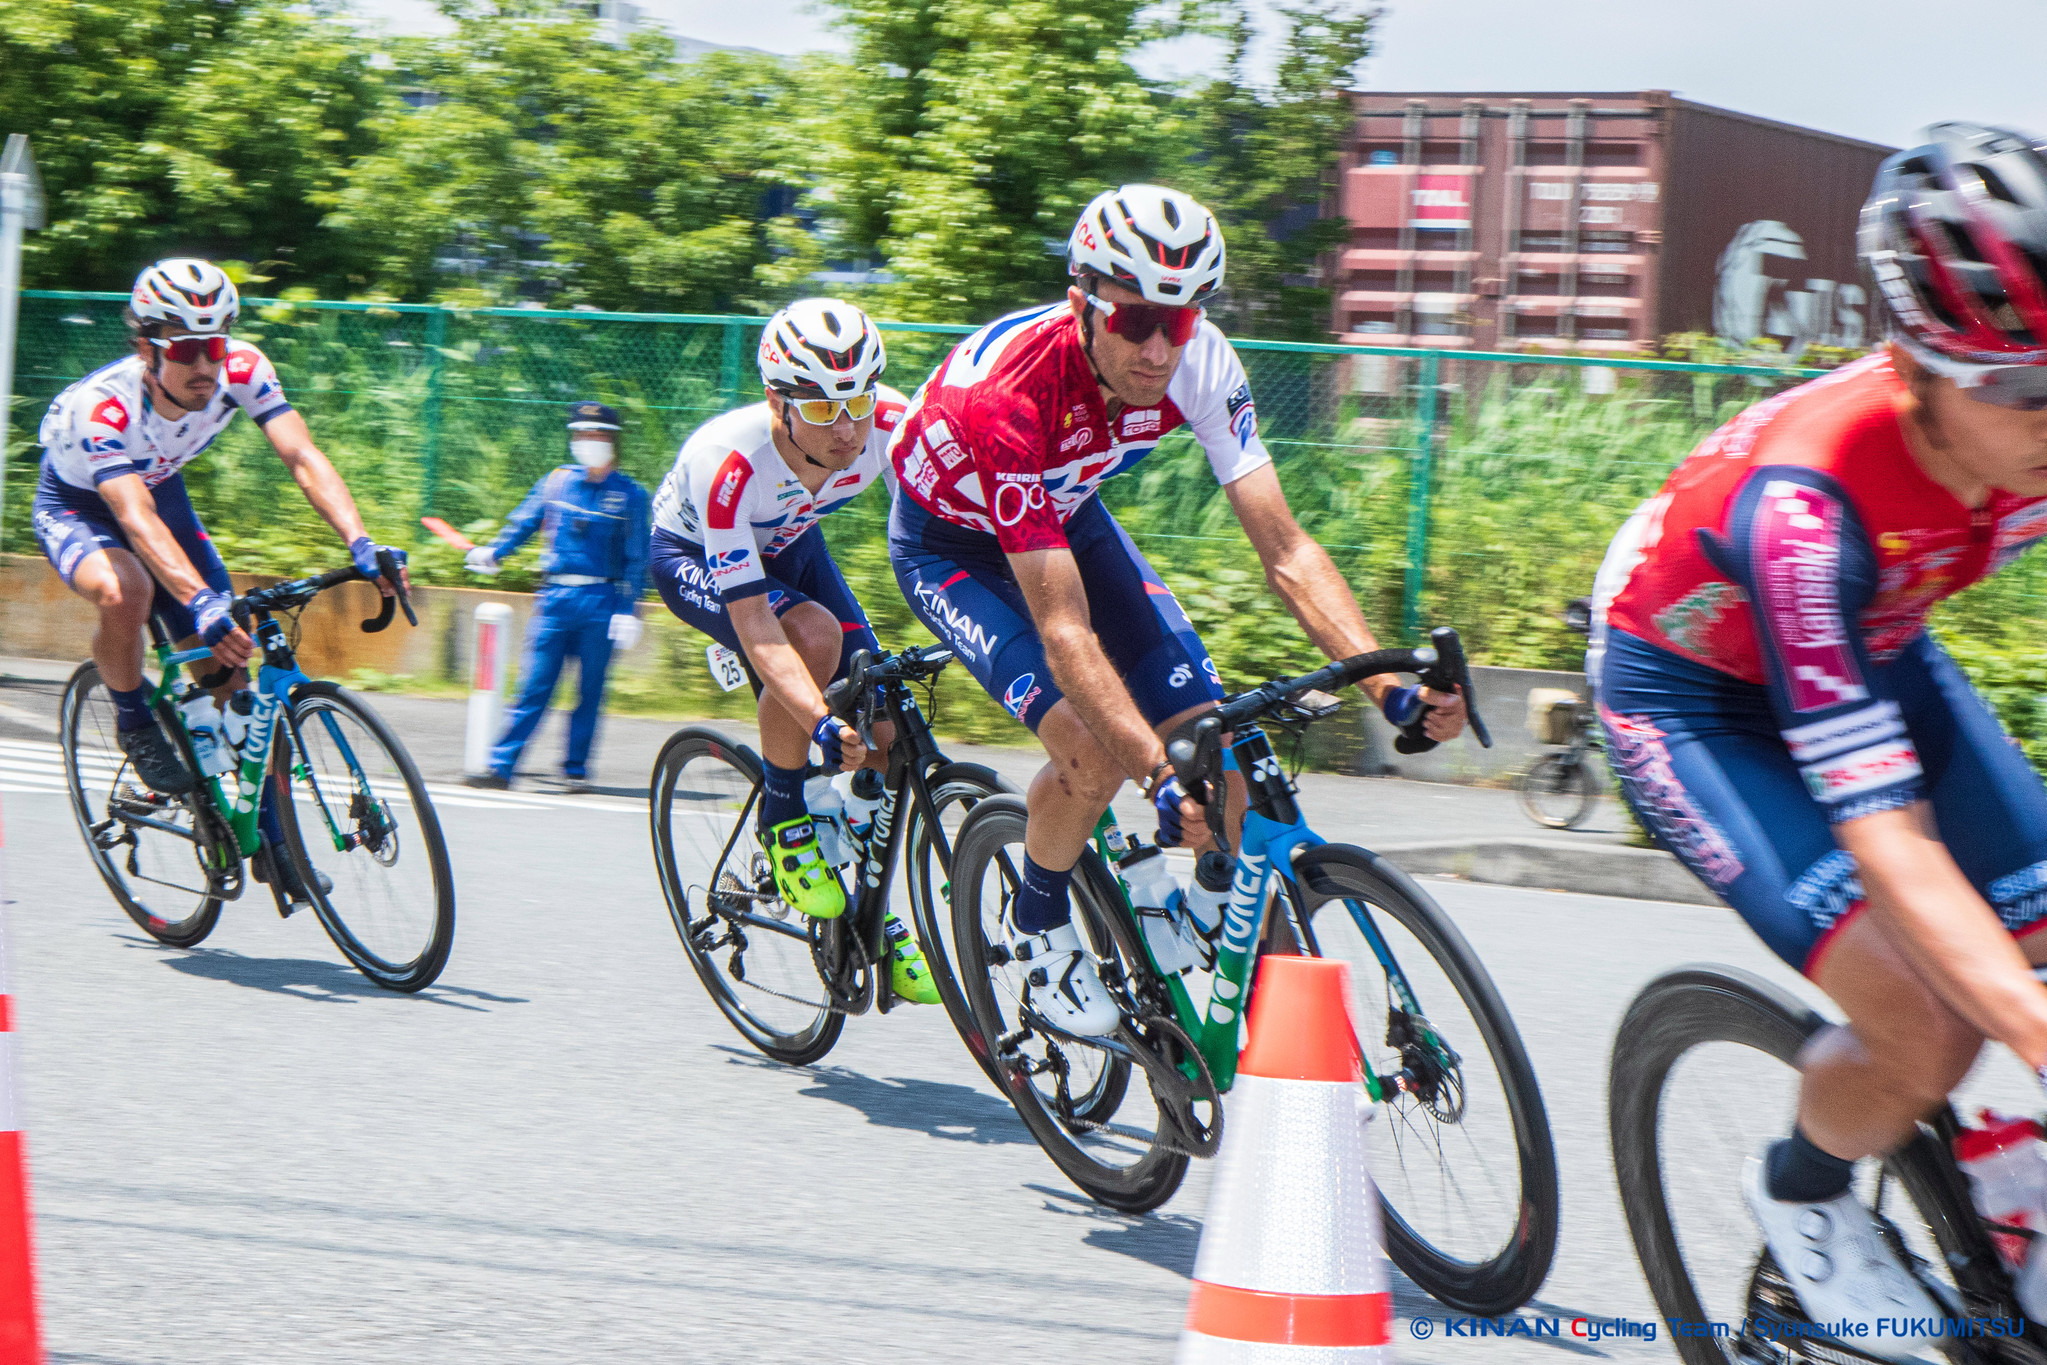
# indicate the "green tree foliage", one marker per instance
pixel 543 162
pixel 212 127
pixel 1264 159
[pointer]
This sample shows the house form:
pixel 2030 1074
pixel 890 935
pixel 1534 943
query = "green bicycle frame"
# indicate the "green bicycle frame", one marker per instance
pixel 1274 832
pixel 238 804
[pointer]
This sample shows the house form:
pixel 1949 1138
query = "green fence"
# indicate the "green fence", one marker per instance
pixel 1469 488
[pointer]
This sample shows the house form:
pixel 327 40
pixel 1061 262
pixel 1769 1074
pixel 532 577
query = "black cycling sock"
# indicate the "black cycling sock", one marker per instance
pixel 1041 900
pixel 131 708
pixel 1801 1173
pixel 781 795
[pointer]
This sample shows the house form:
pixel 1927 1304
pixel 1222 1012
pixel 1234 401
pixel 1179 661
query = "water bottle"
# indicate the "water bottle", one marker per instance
pixel 1209 898
pixel 1161 910
pixel 859 794
pixel 827 812
pixel 202 723
pixel 2006 1162
pixel 234 721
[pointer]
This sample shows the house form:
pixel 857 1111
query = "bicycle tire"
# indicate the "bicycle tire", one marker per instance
pixel 1559 791
pixel 1697 1005
pixel 1155 1175
pixel 928 878
pixel 383 844
pixel 1503 1281
pixel 87 743
pixel 793 1046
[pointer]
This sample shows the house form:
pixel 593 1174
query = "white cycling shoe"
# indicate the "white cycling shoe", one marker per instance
pixel 1061 983
pixel 1844 1271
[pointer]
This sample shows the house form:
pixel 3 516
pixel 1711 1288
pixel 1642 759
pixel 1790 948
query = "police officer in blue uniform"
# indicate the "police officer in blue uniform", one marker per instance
pixel 594 524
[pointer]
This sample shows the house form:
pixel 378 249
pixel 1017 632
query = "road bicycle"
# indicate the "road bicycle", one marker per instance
pixel 1702 1075
pixel 1459 1138
pixel 784 980
pixel 1561 788
pixel 358 824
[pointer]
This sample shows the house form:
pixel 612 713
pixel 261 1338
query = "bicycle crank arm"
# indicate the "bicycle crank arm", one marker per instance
pixel 1176 1094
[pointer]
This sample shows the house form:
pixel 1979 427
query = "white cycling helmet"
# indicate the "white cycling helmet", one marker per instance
pixel 821 348
pixel 185 295
pixel 1157 241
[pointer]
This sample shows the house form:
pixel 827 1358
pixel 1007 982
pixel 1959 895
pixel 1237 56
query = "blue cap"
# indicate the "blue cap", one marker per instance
pixel 594 417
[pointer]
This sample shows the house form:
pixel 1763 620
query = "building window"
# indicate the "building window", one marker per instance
pixel 1606 241
pixel 1442 153
pixel 1613 153
pixel 1537 282
pixel 1526 325
pixel 1375 239
pixel 1431 325
pixel 1378 280
pixel 1550 242
pixel 1548 154
pixel 1604 333
pixel 1435 281
pixel 1381 153
pixel 1606 286
pixel 1437 239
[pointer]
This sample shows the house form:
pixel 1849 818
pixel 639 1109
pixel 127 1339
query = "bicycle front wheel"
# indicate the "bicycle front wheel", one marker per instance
pixel 752 952
pixel 956 788
pixel 367 842
pixel 1558 791
pixel 1691 1039
pixel 149 849
pixel 1462 1154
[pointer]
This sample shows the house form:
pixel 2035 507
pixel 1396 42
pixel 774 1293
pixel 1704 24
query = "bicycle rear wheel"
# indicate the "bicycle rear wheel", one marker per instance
pixel 1691 1039
pixel 752 952
pixel 1466 1168
pixel 150 850
pixel 1558 791
pixel 1069 1092
pixel 367 842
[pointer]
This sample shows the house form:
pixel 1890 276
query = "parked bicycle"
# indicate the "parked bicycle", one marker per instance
pixel 1560 789
pixel 357 820
pixel 784 980
pixel 1703 1071
pixel 1460 1140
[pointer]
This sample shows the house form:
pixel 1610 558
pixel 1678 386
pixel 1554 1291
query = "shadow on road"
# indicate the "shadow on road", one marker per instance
pixel 1166 1240
pixel 307 978
pixel 957 1113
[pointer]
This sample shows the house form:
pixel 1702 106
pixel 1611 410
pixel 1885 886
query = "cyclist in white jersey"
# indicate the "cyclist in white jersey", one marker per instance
pixel 737 553
pixel 112 515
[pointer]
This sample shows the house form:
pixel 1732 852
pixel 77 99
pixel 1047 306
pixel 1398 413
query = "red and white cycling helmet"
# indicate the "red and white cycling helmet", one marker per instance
pixel 821 348
pixel 1955 234
pixel 185 296
pixel 1157 241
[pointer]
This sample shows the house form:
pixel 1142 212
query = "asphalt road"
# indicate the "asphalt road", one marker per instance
pixel 562 1152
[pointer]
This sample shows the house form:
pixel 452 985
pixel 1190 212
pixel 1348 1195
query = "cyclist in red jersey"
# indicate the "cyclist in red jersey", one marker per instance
pixel 1782 720
pixel 1002 548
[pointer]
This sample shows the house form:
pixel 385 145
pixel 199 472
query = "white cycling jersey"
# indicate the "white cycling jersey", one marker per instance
pixel 104 425
pixel 732 492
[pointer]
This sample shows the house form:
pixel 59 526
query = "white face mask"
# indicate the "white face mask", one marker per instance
pixel 591 454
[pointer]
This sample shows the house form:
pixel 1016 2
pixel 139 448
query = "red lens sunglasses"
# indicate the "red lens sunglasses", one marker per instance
pixel 1135 322
pixel 185 350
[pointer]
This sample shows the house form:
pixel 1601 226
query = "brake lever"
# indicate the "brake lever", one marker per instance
pixel 1197 763
pixel 387 565
pixel 1450 674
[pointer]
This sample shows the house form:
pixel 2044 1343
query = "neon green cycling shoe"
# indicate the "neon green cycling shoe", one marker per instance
pixel 801 873
pixel 909 973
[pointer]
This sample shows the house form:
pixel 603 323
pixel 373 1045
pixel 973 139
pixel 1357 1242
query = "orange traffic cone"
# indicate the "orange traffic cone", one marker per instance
pixel 20 1341
pixel 1290 1252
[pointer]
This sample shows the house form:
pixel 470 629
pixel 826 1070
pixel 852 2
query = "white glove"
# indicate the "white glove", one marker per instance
pixel 481 560
pixel 626 630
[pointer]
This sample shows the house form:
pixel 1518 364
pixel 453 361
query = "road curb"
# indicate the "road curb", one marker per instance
pixel 1554 865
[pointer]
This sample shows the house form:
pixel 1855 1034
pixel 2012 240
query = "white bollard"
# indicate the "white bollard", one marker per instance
pixel 489 647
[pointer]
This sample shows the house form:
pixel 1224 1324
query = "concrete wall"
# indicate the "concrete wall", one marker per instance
pixel 41 618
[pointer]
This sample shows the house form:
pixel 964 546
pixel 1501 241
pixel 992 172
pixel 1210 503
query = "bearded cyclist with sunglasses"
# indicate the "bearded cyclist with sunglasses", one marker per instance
pixel 114 520
pixel 737 552
pixel 1004 551
pixel 1783 721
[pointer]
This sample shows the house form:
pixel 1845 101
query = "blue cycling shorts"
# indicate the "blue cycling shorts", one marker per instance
pixel 72 523
pixel 1701 760
pixel 959 583
pixel 802 572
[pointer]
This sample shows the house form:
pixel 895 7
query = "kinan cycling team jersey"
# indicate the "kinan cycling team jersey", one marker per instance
pixel 1010 435
pixel 105 425
pixel 1800 546
pixel 732 493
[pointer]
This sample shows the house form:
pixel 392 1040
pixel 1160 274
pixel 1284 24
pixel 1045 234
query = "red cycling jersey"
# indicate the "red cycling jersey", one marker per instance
pixel 1802 547
pixel 1010 435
